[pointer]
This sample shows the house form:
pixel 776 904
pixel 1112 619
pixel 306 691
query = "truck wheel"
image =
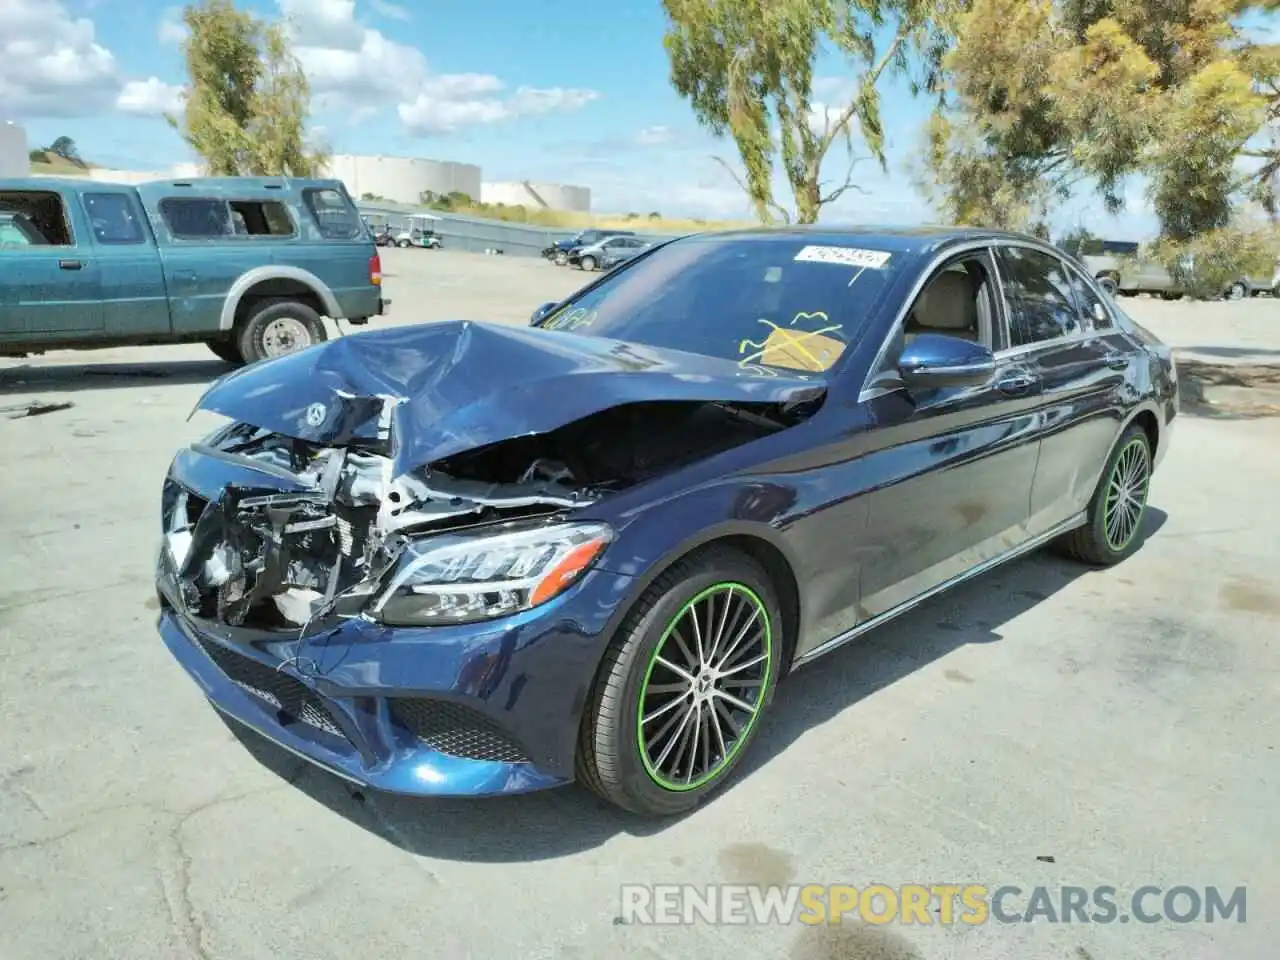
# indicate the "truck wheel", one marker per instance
pixel 1109 285
pixel 276 328
pixel 227 350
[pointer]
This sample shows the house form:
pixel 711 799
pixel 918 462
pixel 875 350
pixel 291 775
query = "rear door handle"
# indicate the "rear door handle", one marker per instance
pixel 1116 361
pixel 70 264
pixel 1017 383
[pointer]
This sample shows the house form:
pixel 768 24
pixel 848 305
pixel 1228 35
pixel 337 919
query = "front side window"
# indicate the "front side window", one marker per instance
pixel 196 218
pixel 763 302
pixel 1041 306
pixel 114 218
pixel 39 216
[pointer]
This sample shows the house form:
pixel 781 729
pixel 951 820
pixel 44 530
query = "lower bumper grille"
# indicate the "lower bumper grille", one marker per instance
pixel 280 690
pixel 455 730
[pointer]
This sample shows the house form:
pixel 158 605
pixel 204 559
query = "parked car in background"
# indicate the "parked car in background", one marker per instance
pixel 560 250
pixel 1119 268
pixel 486 559
pixel 607 253
pixel 249 266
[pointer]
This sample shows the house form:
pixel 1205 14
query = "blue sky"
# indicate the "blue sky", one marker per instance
pixel 525 90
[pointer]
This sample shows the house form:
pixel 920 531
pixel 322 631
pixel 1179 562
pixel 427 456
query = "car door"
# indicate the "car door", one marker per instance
pixel 1080 372
pixel 135 301
pixel 51 288
pixel 952 468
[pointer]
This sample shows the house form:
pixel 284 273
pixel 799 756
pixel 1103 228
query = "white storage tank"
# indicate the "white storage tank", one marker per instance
pixel 15 158
pixel 403 179
pixel 538 196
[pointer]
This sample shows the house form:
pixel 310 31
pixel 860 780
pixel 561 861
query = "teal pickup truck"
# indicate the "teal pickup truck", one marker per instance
pixel 249 266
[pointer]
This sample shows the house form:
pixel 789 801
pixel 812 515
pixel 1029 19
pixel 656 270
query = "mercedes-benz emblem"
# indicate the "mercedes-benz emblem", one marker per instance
pixel 315 414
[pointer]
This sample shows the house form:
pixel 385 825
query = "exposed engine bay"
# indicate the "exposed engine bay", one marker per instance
pixel 309 532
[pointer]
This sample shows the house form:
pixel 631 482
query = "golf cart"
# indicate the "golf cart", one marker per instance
pixel 419 231
pixel 379 228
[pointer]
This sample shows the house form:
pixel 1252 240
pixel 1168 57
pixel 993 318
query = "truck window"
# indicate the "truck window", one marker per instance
pixel 334 214
pixel 114 218
pixel 41 211
pixel 262 218
pixel 196 218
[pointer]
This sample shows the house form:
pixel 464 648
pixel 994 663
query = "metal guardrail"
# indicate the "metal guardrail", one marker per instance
pixel 476 235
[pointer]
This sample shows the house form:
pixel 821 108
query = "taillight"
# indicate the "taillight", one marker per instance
pixel 375 269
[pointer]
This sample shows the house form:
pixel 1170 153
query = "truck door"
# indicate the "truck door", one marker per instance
pixel 50 279
pixel 134 299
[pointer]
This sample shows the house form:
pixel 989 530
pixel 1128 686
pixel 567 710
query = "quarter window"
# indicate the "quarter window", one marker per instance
pixel 196 218
pixel 114 218
pixel 335 216
pixel 1041 305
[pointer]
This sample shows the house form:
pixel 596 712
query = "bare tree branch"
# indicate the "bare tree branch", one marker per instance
pixel 786 217
pixel 870 80
pixel 848 184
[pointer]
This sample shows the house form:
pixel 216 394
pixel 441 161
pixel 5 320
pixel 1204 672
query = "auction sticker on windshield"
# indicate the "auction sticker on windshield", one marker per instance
pixel 845 256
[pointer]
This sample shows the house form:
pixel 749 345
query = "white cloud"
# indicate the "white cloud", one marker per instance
pixel 391 11
pixel 351 66
pixel 172 31
pixel 655 136
pixel 52 65
pixel 151 98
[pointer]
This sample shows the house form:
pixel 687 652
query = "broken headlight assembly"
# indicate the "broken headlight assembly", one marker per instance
pixel 490 572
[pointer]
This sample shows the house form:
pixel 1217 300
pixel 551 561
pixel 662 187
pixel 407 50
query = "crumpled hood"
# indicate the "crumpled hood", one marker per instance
pixel 437 389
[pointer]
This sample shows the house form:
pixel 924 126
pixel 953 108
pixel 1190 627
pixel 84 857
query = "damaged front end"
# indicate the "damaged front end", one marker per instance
pixel 299 535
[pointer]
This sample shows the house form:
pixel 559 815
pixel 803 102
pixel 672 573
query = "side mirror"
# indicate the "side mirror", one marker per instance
pixel 933 360
pixel 541 313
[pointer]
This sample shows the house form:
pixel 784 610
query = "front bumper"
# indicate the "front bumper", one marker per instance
pixel 450 711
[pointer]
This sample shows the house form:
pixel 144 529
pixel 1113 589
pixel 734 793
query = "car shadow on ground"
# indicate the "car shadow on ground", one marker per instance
pixel 1230 351
pixel 72 377
pixel 561 822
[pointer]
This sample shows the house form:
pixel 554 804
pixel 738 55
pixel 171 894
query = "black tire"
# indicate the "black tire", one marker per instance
pixel 253 331
pixel 588 263
pixel 404 244
pixel 1237 291
pixel 1090 543
pixel 610 759
pixel 1109 285
pixel 227 350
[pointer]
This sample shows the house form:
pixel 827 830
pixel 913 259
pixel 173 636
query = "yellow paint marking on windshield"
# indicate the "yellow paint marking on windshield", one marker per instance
pixel 790 348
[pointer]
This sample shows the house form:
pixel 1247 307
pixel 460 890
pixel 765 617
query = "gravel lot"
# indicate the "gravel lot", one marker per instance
pixel 1125 724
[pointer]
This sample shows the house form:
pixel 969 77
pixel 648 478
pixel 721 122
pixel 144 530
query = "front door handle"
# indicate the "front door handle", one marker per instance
pixel 1116 361
pixel 70 264
pixel 1017 383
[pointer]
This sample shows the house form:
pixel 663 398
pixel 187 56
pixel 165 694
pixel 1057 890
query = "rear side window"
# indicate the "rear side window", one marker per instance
pixel 114 218
pixel 261 218
pixel 39 216
pixel 196 218
pixel 1091 306
pixel 334 214
pixel 1041 305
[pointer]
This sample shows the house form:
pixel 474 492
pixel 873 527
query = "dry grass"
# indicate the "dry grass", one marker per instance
pixel 53 165
pixel 578 221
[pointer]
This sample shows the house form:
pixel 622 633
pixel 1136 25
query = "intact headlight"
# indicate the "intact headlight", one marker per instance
pixel 486 573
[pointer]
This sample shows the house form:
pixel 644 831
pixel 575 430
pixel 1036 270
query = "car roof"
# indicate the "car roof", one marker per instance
pixel 916 240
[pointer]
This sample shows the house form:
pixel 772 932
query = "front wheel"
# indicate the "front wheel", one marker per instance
pixel 683 685
pixel 1118 506
pixel 588 263
pixel 1109 285
pixel 1237 291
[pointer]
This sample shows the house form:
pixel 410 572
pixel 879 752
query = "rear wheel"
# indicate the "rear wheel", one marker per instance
pixel 683 685
pixel 1109 284
pixel 276 328
pixel 1237 291
pixel 227 350
pixel 1118 506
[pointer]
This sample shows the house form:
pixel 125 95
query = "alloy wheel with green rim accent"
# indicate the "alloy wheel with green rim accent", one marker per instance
pixel 1126 496
pixel 704 687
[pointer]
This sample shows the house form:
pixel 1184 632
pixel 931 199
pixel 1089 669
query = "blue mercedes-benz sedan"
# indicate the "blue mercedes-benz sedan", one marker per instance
pixel 468 558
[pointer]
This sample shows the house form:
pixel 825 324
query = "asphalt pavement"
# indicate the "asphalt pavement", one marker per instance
pixel 1044 725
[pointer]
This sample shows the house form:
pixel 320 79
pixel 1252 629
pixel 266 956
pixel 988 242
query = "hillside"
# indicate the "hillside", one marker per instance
pixel 45 163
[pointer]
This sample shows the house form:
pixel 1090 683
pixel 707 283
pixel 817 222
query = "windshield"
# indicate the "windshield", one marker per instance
pixel 764 302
